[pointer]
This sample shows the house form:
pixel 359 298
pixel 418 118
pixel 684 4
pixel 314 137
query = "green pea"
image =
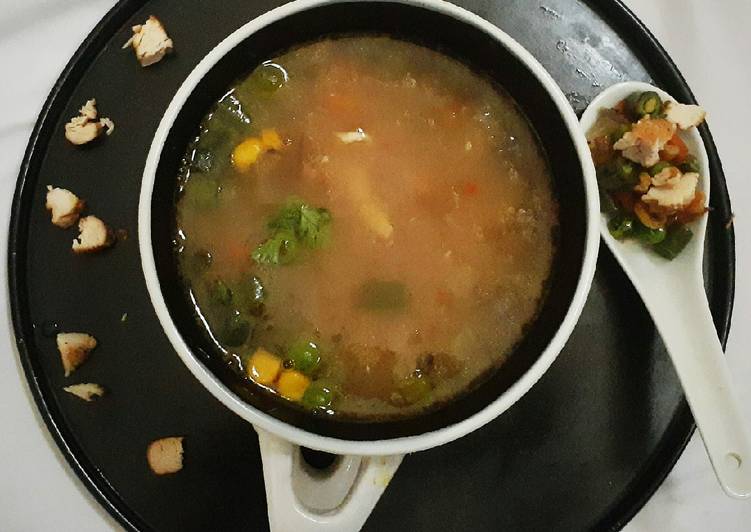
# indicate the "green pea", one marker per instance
pixel 306 356
pixel 268 78
pixel 235 330
pixel 317 396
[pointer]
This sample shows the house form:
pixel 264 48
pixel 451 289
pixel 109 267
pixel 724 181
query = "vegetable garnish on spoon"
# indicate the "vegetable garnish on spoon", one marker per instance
pixel 653 173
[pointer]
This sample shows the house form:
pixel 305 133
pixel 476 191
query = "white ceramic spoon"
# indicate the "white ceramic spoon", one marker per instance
pixel 673 292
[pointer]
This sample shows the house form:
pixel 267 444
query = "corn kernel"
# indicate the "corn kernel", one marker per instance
pixel 263 367
pixel 246 153
pixel 292 384
pixel 271 139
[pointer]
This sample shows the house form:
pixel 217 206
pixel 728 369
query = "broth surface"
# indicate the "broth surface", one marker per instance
pixel 435 221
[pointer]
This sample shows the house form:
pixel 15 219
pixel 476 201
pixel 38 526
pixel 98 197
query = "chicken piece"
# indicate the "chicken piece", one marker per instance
pixel 150 41
pixel 165 455
pixel 86 391
pixel 65 206
pixel 85 127
pixel 643 143
pixel 94 235
pixel 683 115
pixel 358 135
pixel 74 349
pixel 672 196
pixel 668 176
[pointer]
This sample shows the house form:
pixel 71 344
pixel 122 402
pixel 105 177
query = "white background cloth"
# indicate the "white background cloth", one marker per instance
pixel 708 40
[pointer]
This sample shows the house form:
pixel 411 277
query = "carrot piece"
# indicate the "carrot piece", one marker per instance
pixel 470 188
pixel 693 210
pixel 675 150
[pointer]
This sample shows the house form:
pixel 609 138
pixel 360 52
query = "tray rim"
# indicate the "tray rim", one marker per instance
pixel 677 435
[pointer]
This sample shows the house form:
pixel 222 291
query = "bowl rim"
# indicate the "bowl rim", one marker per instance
pixel 400 444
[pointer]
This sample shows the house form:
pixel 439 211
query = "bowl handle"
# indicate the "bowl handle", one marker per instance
pixel 304 499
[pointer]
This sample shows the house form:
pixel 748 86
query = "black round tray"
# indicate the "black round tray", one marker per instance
pixel 583 450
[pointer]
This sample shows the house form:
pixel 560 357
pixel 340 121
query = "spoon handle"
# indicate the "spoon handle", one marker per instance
pixel 687 329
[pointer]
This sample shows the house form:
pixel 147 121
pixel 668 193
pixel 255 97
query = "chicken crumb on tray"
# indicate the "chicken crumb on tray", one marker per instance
pixel 85 127
pixel 94 235
pixel 74 349
pixel 64 206
pixel 165 456
pixel 150 41
pixel 86 390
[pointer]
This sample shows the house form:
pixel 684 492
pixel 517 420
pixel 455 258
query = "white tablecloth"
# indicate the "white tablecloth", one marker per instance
pixel 708 40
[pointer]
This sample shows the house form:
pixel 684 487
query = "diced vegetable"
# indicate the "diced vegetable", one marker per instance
pixel 618 132
pixel 220 293
pixel 292 384
pixel 659 167
pixel 677 238
pixel 263 367
pixel 647 103
pixel 203 192
pixel 415 388
pixel 266 79
pixel 305 356
pixel 235 330
pixel 621 226
pixel 619 174
pixel 317 396
pixel 675 150
pixel 691 164
pixel 379 295
pixel 649 236
pixel 246 153
pixel 199 262
pixel 250 294
pixel 271 139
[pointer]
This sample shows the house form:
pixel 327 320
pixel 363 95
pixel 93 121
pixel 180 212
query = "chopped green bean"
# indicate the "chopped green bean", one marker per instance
pixel 621 226
pixel 414 388
pixel 379 295
pixel 676 240
pixel 649 236
pixel 659 167
pixel 618 174
pixel 649 103
pixel 691 164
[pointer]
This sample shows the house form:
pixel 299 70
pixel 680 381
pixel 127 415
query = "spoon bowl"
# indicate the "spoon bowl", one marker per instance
pixel 673 293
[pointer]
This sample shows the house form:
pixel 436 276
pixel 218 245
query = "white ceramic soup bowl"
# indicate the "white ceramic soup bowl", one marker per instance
pixel 342 496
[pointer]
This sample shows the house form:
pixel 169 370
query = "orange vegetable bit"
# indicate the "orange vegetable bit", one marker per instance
pixel 470 188
pixel 644 181
pixel 620 107
pixel 675 150
pixel 693 210
pixel 648 219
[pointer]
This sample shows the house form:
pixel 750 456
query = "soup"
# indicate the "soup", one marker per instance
pixel 365 227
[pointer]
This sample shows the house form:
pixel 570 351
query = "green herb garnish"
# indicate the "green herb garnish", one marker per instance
pixel 296 225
